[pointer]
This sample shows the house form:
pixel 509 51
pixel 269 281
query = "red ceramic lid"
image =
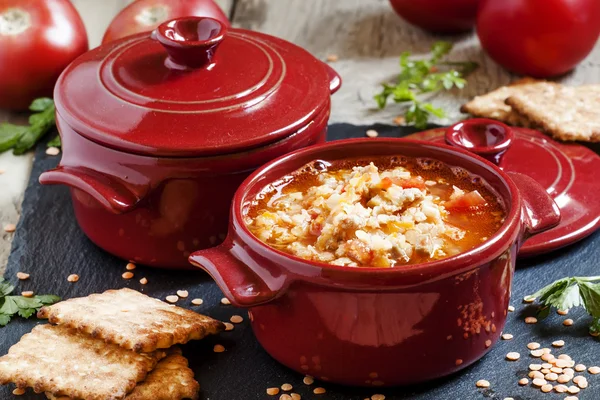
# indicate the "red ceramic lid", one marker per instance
pixel 192 88
pixel 568 171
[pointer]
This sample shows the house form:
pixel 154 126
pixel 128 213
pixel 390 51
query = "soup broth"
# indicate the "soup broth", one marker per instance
pixel 384 213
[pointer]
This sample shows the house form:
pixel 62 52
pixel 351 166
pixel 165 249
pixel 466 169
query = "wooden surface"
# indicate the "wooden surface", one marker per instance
pixel 366 36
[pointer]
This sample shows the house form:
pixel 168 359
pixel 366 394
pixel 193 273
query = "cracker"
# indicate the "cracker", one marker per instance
pixel 131 319
pixel 564 112
pixel 492 104
pixel 170 380
pixel 65 362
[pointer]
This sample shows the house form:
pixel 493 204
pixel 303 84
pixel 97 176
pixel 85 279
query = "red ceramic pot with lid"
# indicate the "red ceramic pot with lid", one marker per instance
pixel 382 326
pixel 159 130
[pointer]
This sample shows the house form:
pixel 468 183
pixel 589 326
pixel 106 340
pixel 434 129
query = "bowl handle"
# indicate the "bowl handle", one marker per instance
pixel 335 80
pixel 540 212
pixel 113 194
pixel 227 265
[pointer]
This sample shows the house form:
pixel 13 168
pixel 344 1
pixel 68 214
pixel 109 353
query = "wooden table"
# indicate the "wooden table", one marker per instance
pixel 366 36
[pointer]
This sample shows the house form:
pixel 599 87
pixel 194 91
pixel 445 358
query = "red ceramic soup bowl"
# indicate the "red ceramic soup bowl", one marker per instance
pixel 377 326
pixel 158 131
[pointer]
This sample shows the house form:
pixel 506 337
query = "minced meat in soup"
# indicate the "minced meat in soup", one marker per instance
pixel 390 212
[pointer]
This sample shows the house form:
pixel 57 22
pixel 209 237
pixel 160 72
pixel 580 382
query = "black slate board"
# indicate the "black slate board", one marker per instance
pixel 49 245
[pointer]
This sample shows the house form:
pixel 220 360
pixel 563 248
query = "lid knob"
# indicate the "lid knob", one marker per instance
pixel 190 41
pixel 485 137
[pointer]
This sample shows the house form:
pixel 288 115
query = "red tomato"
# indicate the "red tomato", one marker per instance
pixel 439 16
pixel 146 15
pixel 540 38
pixel 38 39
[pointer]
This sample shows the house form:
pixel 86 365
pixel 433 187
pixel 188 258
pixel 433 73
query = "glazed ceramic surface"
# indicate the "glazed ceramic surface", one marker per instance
pixel 377 326
pixel 568 172
pixel 156 147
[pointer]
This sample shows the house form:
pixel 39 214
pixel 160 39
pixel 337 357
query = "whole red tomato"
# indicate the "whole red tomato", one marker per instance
pixel 146 15
pixel 540 38
pixel 439 16
pixel 38 39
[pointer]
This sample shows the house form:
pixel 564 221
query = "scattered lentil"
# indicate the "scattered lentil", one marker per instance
pixel 285 396
pixel 578 378
pixel 482 383
pixel 511 309
pixel 539 382
pixel 182 293
pixel 488 343
pixel 573 389
pixel 556 370
pixel 594 370
pixel 564 378
pixel 27 293
pixel 272 391
pixel 9 228
pixel 528 299
pixel 127 275
pixel 569 371
pixel 547 388
pixel 236 319
pixel 547 357
pixel 558 343
pixel 308 380
pixel 546 366
pixel 219 349
pixel 130 266
pixel 228 326
pixel 507 336
pixel 571 398
pixel 22 276
pixel 18 392
pixel 458 361
pixel 197 302
pixel 568 322
pixel 52 151
pixel 332 58
pixel 143 281
pixel 172 298
pixel 523 381
pixel 295 396
pixel 580 368
pixel 560 388
pixel 399 120
pixel 560 363
pixel 372 133
pixel 531 320
pixel 582 383
pixel 286 387
pixel 378 397
pixel 225 301
pixel 537 353
pixel 545 371
pixel 562 312
pixel 535 367
pixel 564 357
pixel 319 390
pixel 552 377
pixel 533 346
pixel 73 278
pixel 513 356
pixel 536 375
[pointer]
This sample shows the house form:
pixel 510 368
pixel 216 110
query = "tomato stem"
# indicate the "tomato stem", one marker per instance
pixel 14 21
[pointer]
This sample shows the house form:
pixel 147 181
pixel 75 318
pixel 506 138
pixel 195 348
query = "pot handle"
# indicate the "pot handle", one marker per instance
pixel 112 193
pixel 335 80
pixel 227 264
pixel 540 212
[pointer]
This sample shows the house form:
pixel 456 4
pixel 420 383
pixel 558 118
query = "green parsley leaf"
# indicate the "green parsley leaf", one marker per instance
pixel 4 319
pixel 47 299
pixel 23 138
pixel 41 104
pixel 55 142
pixel 25 307
pixel 9 307
pixel 422 76
pixel 5 288
pixel 572 292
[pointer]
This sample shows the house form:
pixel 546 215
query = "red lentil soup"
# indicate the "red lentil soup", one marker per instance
pixel 387 212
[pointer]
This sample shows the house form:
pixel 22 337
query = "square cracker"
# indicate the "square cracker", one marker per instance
pixel 170 380
pixel 564 112
pixel 492 104
pixel 131 319
pixel 65 362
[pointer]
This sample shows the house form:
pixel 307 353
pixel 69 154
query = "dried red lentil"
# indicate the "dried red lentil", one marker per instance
pixel 273 391
pixel 332 58
pixel 172 298
pixel 127 275
pixel 573 389
pixel 236 319
pixel 285 396
pixel 537 353
pixel 482 383
pixel 372 133
pixel 528 299
pixel 531 320
pixel 9 228
pixel 22 276
pixel 143 281
pixel 295 396
pixel 523 381
pixel 546 388
pixel 562 312
pixel 18 392
pixel 552 377
pixel 228 326
pixel 580 368
pixel 539 382
pixel 73 278
pixel 513 356
pixel 52 151
pixel 533 346
pixel 560 388
pixel 319 390
pixel 558 343
pixel 594 370
pixel 130 266
pixel 27 293
pixel 286 387
pixel 219 349
pixel 511 308
pixel 197 302
pixel 308 380
pixel 225 301
pixel 536 375
pixel 564 378
pixel 488 343
pixel 568 322
pixel 182 293
pixel 378 397
pixel 507 336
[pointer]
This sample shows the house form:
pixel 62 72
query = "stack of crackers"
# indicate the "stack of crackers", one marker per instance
pixel 114 345
pixel 563 112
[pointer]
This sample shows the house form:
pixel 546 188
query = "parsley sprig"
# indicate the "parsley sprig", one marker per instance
pixel 572 292
pixel 23 138
pixel 18 305
pixel 424 76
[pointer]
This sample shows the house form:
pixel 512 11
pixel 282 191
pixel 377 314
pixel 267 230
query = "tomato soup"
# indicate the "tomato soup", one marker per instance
pixel 384 213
